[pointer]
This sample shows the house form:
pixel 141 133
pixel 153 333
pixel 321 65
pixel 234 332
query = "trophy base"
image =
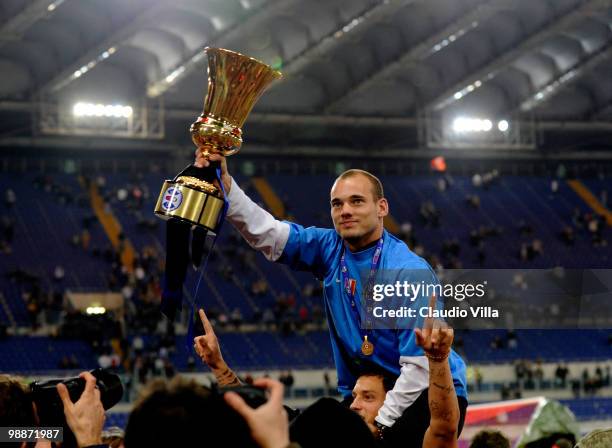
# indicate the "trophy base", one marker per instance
pixel 189 204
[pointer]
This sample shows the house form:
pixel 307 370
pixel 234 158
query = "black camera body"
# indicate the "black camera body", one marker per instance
pixel 255 397
pixel 49 406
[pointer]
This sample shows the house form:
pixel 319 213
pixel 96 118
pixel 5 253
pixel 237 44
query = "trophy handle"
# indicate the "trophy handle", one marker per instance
pixel 207 174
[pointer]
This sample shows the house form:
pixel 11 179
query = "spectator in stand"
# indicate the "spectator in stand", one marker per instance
pixel 577 218
pixel 105 361
pixel 477 180
pixel 58 273
pixel 478 377
pixel 64 363
pixel 442 184
pixel 268 319
pixel 8 229
pixel 288 380
pixel 554 186
pixel 561 376
pixel 407 234
pixel 10 198
pixel 236 318
pixel 430 214
pixel 511 340
pixel 327 382
pixel 85 239
pixel 538 374
pixel 303 315
pixel 567 236
pixel 473 200
pixel 524 228
pixel 576 388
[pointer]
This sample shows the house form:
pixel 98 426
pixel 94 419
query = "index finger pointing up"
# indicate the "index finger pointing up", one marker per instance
pixel 429 320
pixel 205 322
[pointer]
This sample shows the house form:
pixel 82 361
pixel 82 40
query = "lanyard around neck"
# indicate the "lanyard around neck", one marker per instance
pixel 350 285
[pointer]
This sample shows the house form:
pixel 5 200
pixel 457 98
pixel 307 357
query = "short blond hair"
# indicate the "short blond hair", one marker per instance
pixel 377 188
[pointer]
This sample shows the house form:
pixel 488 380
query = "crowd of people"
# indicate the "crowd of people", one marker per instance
pixel 453 254
pixel 393 405
pixel 181 412
pixel 179 404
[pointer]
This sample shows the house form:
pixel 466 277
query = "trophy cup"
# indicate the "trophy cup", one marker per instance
pixel 235 83
pixel 194 203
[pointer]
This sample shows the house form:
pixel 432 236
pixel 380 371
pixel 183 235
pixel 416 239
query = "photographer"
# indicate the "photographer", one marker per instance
pixel 184 413
pixel 85 417
pixel 16 407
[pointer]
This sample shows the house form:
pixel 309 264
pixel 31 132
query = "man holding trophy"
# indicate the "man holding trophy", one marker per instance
pixel 358 243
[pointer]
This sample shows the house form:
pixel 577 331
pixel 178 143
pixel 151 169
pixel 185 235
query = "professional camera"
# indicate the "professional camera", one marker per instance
pixel 49 405
pixel 255 397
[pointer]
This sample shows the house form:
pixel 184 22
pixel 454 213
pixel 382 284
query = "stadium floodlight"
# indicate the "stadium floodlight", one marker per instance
pixel 95 310
pixel 82 109
pixel 53 6
pixel 503 125
pixel 466 124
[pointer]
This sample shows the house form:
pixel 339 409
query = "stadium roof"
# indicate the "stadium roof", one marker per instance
pixel 366 63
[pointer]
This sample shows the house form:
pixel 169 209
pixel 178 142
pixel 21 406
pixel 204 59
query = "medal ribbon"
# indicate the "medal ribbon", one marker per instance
pixel 367 290
pixel 196 304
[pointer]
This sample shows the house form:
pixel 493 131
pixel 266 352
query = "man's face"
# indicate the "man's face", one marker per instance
pixel 355 212
pixel 368 397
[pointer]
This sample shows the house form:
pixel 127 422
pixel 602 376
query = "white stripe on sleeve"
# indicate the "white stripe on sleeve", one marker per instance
pixel 413 380
pixel 258 227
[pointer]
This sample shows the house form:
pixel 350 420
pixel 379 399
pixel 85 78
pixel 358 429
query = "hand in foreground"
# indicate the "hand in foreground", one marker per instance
pixel 268 423
pixel 207 345
pixel 436 337
pixel 85 417
pixel 203 159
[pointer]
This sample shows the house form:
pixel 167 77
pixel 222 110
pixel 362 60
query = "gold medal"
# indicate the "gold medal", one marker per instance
pixel 367 348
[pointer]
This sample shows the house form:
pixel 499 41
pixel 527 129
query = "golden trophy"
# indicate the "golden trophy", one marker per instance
pixel 235 83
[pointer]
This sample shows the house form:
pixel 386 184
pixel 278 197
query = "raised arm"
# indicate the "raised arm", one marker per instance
pixel 268 423
pixel 414 367
pixel 436 339
pixel 259 228
pixel 207 348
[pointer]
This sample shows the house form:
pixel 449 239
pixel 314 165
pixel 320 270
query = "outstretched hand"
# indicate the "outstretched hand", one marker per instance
pixel 85 417
pixel 207 345
pixel 436 337
pixel 268 423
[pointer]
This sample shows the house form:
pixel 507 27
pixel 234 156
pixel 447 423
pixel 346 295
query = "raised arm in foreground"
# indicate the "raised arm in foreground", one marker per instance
pixel 207 348
pixel 259 228
pixel 436 339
